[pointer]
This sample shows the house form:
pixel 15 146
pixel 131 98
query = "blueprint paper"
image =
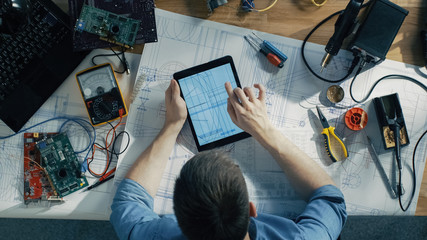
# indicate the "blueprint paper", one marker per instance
pixel 66 101
pixel 292 94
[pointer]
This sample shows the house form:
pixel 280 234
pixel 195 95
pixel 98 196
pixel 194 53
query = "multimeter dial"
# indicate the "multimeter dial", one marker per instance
pixel 104 109
pixel 97 83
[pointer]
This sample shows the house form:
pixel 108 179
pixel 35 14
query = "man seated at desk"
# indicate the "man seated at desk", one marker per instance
pixel 210 197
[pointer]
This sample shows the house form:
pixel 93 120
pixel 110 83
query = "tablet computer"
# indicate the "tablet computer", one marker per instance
pixel 203 90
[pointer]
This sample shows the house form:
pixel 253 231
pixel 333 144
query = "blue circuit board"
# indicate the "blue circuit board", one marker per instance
pixel 110 27
pixel 142 10
pixel 61 164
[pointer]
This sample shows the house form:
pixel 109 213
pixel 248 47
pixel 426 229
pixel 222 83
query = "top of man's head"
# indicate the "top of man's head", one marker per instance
pixel 211 199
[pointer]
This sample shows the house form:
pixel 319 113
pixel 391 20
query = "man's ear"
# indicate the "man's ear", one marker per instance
pixel 252 210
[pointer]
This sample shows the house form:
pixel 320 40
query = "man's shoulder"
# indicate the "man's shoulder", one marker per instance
pixel 325 214
pixel 267 226
pixel 323 218
pixel 165 227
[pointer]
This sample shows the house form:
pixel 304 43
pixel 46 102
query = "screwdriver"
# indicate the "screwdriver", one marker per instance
pixel 273 59
pixel 272 48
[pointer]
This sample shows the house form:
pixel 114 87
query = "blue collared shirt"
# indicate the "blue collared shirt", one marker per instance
pixel 323 218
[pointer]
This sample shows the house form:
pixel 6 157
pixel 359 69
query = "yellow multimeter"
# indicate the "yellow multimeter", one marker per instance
pixel 101 94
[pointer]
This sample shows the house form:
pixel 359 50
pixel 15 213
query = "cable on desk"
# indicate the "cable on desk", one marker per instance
pixel 96 146
pixel 413 176
pixel 109 143
pixel 113 151
pixel 79 121
pixel 391 76
pixel 319 4
pixel 36 164
pixel 248 6
pixel 122 59
pixel 87 131
pixel 105 148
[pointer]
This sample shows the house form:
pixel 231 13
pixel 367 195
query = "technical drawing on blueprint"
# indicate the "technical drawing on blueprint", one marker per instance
pixel 292 94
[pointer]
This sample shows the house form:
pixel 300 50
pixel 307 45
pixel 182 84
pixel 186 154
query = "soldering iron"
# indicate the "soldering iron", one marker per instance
pixel 343 28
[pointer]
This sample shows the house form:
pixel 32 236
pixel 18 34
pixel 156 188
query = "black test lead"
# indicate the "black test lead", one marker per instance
pixel 380 168
pixel 99 183
pixel 272 58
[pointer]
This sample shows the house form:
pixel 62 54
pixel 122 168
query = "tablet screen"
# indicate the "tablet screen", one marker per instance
pixel 204 93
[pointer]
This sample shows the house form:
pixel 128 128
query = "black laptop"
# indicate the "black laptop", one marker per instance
pixel 34 62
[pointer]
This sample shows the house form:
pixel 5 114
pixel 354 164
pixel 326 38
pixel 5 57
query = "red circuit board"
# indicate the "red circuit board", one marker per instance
pixel 37 185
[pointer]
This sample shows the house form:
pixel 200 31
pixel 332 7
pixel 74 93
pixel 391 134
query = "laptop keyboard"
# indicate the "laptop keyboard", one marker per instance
pixel 34 62
pixel 30 44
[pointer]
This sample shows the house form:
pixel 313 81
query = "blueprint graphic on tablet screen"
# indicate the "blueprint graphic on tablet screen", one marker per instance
pixel 291 97
pixel 206 100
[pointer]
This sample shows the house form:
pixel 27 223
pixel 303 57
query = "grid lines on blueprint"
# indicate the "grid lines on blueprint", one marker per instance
pixel 207 103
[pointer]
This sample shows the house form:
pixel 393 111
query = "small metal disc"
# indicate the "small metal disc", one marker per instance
pixel 335 94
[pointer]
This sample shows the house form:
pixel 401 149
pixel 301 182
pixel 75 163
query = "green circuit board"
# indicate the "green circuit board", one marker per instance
pixel 110 27
pixel 61 164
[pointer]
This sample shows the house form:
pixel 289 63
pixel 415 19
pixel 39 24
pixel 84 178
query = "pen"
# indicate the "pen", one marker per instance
pixel 380 168
pixel 99 183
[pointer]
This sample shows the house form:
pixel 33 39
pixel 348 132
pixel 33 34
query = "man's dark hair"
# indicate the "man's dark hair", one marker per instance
pixel 211 198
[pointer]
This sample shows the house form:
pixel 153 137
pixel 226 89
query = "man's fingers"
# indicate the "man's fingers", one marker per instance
pixel 229 90
pixel 232 96
pixel 261 94
pixel 250 93
pixel 175 89
pixel 168 92
pixel 231 111
pixel 242 97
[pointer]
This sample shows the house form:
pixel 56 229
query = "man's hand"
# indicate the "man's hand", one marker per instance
pixel 247 111
pixel 176 110
pixel 148 168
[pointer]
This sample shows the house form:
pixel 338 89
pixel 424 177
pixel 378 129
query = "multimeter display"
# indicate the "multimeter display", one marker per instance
pixel 101 94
